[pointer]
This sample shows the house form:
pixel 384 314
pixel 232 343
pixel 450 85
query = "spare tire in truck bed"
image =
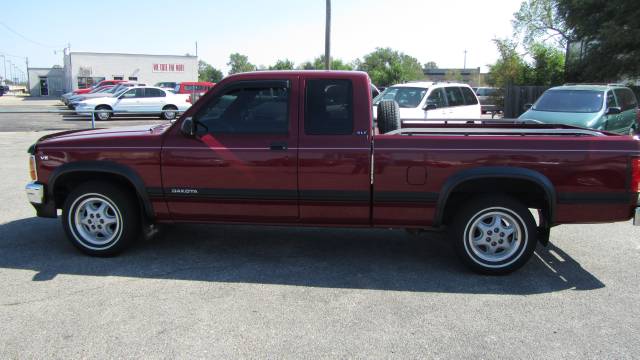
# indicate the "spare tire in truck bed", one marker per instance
pixel 388 116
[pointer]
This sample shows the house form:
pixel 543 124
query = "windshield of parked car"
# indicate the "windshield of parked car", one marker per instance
pixel 578 101
pixel 406 97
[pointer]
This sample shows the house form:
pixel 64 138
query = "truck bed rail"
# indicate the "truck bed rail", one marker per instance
pixel 502 127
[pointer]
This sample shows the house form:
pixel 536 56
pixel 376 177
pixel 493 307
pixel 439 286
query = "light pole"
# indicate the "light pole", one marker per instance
pixel 327 38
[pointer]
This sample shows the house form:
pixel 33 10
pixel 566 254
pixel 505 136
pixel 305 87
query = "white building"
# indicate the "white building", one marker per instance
pixel 83 69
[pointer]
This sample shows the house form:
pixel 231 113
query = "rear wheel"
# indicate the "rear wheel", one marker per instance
pixel 494 234
pixel 388 116
pixel 101 219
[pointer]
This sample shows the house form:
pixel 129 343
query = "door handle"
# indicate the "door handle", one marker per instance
pixel 278 146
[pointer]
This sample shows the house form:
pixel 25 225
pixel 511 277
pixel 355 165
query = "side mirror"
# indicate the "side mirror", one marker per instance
pixel 528 106
pixel 613 111
pixel 188 127
pixel 430 107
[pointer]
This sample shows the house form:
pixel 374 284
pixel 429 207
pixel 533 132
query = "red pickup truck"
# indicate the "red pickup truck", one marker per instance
pixel 300 148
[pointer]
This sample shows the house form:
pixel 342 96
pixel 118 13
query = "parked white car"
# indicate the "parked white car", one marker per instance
pixel 142 100
pixel 74 100
pixel 432 100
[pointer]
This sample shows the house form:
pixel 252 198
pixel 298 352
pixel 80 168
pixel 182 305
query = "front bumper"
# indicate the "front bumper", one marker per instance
pixel 35 193
pixel 36 196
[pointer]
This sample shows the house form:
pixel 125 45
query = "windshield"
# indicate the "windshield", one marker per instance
pixel 406 97
pixel 577 101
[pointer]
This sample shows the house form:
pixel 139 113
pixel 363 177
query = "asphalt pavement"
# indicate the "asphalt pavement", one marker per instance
pixel 218 291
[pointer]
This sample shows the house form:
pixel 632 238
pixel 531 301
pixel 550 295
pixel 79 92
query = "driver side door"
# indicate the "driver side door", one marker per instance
pixel 130 101
pixel 241 166
pixel 438 99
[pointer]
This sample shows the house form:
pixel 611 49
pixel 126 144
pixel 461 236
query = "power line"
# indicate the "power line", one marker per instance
pixel 26 38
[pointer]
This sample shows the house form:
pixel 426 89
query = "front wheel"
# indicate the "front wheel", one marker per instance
pixel 101 219
pixel 494 234
pixel 169 112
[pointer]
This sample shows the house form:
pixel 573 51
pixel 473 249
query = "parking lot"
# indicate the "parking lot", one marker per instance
pixel 271 292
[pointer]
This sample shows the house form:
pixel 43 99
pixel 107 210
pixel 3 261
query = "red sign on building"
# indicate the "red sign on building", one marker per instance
pixel 168 67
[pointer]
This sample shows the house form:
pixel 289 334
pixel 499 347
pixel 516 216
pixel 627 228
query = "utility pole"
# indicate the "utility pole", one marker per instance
pixel 465 59
pixel 4 59
pixel 327 38
pixel 26 59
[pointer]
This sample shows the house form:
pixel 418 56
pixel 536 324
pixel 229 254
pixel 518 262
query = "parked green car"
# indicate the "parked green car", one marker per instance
pixel 603 107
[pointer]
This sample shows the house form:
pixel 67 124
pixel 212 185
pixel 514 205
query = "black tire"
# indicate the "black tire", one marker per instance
pixel 510 252
pixel 169 115
pixel 103 116
pixel 388 116
pixel 81 225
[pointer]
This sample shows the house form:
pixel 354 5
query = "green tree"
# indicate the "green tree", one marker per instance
pixel 453 75
pixel 609 35
pixel 548 65
pixel 386 67
pixel 539 21
pixel 206 72
pixel 430 65
pixel 285 64
pixel 319 64
pixel 510 68
pixel 239 63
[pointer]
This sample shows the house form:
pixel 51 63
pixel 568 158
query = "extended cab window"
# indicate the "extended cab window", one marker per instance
pixel 250 110
pixel 328 107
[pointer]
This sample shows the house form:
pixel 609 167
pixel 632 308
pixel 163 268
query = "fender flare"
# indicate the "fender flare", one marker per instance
pixel 503 172
pixel 108 167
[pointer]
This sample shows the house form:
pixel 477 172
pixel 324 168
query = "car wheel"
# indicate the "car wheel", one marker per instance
pixel 494 235
pixel 388 116
pixel 101 219
pixel 103 113
pixel 169 112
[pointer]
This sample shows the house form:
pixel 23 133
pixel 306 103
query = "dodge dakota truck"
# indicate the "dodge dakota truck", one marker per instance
pixel 300 148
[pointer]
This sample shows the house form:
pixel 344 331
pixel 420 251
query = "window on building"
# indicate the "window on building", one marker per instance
pixel 133 78
pixel 329 107
pixel 118 77
pixel 87 81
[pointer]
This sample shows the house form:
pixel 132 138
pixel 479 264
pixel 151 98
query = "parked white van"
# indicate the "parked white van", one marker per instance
pixel 432 100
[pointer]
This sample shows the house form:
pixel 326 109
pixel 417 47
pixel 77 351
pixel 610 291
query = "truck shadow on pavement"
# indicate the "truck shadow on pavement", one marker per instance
pixel 331 258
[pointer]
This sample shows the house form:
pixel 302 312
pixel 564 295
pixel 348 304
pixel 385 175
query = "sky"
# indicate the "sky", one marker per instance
pixel 265 31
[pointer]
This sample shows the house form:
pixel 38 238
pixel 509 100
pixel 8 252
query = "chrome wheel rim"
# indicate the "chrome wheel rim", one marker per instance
pixel 169 114
pixel 495 236
pixel 97 222
pixel 103 115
